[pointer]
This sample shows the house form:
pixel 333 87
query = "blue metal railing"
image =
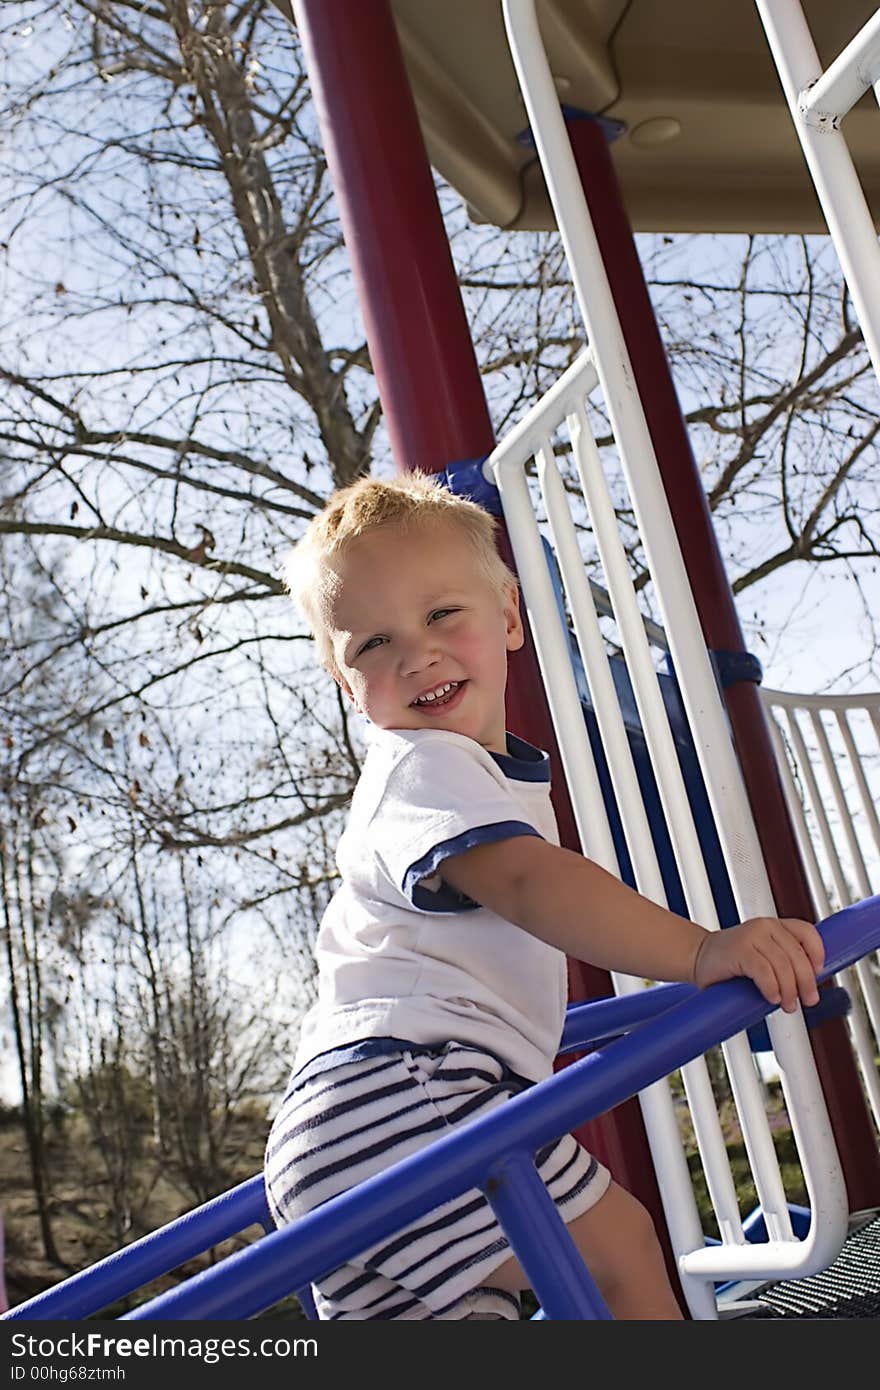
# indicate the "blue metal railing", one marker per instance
pixel 655 1032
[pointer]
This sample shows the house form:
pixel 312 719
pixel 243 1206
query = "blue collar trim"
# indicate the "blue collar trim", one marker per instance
pixel 522 761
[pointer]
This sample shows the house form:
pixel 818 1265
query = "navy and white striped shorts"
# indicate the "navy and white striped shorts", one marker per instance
pixel 340 1126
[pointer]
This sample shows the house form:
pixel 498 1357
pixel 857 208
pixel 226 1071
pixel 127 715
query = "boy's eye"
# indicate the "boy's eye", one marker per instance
pixel 370 644
pixel 442 613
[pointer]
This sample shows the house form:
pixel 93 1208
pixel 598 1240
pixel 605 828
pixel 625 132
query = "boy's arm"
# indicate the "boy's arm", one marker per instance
pixel 573 904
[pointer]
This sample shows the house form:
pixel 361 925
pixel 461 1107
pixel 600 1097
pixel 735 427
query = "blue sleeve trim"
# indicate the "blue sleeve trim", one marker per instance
pixel 445 898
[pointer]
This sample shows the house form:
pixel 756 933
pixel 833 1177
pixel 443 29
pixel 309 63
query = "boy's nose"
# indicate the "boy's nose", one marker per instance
pixel 419 656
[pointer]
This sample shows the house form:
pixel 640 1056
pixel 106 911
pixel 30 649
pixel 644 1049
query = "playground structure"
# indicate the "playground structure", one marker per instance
pixel 691 817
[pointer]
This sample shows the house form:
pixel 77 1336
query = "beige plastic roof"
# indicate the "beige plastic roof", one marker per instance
pixel 708 142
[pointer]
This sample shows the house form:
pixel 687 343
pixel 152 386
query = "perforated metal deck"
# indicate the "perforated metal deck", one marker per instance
pixel 849 1288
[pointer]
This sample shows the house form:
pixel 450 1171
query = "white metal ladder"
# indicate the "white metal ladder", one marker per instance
pixel 818 102
pixel 606 365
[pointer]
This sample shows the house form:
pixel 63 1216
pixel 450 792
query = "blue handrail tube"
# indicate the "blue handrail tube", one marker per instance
pixel 600 1019
pixel 146 1259
pixel 541 1242
pixel 251 1280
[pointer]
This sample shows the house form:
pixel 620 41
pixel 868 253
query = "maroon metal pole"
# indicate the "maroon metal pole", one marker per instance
pixel 427 373
pixel 718 617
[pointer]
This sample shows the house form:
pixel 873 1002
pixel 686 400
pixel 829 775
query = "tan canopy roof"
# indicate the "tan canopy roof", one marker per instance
pixel 708 142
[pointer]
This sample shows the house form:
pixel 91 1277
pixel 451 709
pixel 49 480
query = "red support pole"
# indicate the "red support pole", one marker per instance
pixel 718 617
pixel 427 374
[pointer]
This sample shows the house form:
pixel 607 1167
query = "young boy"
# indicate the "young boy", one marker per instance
pixel 442 977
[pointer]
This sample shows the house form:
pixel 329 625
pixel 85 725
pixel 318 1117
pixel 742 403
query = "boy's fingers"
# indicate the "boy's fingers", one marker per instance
pixel 796 945
pixel 780 955
pixel 783 972
pixel 794 971
pixel 805 971
pixel 809 938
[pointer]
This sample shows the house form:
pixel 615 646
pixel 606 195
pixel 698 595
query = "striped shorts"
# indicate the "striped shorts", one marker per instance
pixel 348 1122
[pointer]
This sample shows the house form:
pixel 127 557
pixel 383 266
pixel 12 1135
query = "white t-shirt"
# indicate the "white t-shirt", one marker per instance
pixel 400 954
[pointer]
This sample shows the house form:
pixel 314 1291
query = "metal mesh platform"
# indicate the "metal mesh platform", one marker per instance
pixel 849 1288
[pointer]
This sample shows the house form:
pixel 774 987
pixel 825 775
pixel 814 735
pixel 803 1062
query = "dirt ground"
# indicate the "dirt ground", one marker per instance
pixel 80 1210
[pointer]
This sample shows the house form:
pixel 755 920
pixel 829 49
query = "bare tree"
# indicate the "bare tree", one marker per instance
pixel 165 436
pixel 788 423
pixel 185 379
pixel 27 869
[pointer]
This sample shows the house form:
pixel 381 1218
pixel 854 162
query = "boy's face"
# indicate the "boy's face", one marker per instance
pixel 415 616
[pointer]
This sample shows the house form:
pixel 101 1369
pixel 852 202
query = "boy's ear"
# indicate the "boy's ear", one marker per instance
pixel 346 690
pixel 513 618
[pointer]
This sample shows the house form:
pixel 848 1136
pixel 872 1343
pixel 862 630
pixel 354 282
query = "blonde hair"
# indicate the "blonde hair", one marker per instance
pixel 370 503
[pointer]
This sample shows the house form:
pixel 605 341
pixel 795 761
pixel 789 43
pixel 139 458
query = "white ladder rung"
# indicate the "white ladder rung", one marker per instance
pixel 825 150
pixel 846 80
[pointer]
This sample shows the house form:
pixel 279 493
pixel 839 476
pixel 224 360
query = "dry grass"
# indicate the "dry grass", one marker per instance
pixel 81 1211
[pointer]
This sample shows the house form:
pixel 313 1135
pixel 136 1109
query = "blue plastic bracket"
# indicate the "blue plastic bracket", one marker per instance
pixel 465 478
pixel 612 129
pixel 733 667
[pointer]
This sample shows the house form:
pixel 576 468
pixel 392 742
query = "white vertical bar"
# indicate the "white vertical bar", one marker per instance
pixel 846 821
pixel 864 1043
pixel 830 164
pixel 554 660
pixel 859 772
pixel 818 891
pixel 870 994
pixel 844 896
pixel 805 841
pixel 713 1151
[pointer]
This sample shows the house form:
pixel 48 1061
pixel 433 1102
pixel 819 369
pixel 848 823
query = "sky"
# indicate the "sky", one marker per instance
pixel 818 635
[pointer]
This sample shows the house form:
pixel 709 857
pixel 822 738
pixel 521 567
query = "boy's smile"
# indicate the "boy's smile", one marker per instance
pixel 420 633
pixel 441 697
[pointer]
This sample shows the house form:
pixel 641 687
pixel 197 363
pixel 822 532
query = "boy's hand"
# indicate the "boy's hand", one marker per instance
pixel 781 955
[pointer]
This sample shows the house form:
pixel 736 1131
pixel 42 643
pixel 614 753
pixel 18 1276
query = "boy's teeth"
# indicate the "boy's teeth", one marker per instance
pixel 436 694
